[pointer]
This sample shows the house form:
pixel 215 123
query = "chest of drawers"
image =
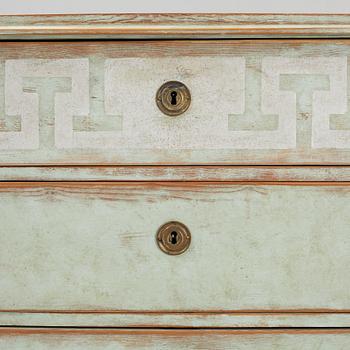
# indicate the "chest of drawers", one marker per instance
pixel 174 182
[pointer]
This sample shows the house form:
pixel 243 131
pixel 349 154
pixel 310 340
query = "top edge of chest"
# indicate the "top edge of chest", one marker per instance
pixel 173 26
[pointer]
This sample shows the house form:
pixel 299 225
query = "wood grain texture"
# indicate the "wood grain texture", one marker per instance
pixel 160 26
pixel 69 339
pixel 269 102
pixel 176 173
pixel 91 246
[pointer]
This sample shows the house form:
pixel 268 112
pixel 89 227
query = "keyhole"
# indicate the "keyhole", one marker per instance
pixel 173 95
pixel 173 237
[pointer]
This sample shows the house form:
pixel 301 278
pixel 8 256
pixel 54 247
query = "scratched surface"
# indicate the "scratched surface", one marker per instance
pixel 76 246
pixel 253 102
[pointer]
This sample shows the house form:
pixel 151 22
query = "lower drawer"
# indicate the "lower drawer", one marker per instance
pixel 88 339
pixel 73 249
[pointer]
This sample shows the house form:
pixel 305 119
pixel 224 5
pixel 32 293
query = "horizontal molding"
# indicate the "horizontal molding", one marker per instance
pixel 175 320
pixel 164 332
pixel 176 173
pixel 172 26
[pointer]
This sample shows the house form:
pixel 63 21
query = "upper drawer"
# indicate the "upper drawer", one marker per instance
pixel 251 102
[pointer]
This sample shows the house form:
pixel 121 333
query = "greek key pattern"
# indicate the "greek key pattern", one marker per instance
pixel 218 118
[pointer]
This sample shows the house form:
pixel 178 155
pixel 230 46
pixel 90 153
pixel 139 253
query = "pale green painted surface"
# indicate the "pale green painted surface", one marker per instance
pixel 254 247
pixel 178 342
pixel 181 320
pixel 178 173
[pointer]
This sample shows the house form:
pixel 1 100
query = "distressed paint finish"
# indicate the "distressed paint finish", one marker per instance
pixel 263 254
pixel 176 173
pixel 92 339
pixel 161 319
pixel 91 246
pixel 253 102
pixel 175 26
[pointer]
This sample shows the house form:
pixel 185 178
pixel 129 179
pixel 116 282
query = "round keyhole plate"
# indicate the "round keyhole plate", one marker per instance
pixel 173 238
pixel 170 92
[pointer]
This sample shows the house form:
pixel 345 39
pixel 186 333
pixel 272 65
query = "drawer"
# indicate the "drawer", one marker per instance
pixel 78 249
pixel 92 339
pixel 248 102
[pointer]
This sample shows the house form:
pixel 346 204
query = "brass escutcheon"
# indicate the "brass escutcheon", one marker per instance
pixel 173 238
pixel 173 98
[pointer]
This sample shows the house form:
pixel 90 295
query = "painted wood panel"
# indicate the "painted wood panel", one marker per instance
pixel 253 102
pixel 90 339
pixel 255 246
pixel 160 26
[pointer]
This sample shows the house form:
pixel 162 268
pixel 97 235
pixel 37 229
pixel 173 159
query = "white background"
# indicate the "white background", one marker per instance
pixel 110 6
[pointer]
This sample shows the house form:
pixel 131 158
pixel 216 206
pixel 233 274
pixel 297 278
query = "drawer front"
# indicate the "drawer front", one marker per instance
pixel 39 339
pixel 72 247
pixel 252 102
